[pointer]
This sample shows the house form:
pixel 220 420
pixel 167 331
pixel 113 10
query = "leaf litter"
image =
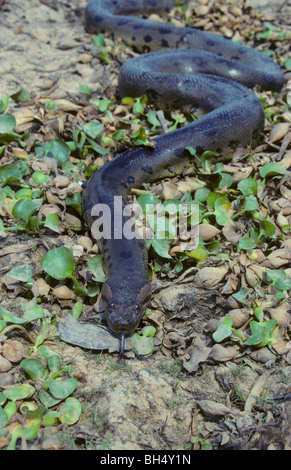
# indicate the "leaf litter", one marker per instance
pixel 56 130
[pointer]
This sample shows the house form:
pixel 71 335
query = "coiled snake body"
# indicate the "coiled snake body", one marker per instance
pixel 195 69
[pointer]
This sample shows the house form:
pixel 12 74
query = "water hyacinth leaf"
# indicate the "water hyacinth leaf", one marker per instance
pixel 7 123
pixel 148 202
pixel 9 173
pixel 56 149
pixel 92 129
pixel 10 317
pixel 95 266
pixel 59 263
pixel 50 418
pixel 279 279
pixel 39 177
pixel 75 201
pixel 33 313
pixel 22 273
pixel 33 367
pixel 62 388
pixel 248 186
pixel 19 392
pixel 29 429
pixel 3 418
pixel 47 400
pixel 247 243
pixel 24 208
pixel 251 203
pixel 272 169
pixel 70 412
pixel 52 222
pixel 224 329
pixel 10 408
pixel 21 96
pixel 161 247
pixel 143 344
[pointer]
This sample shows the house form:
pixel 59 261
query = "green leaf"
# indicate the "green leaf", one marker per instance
pixel 251 203
pixel 59 263
pixel 247 243
pixel 61 388
pixel 33 367
pixel 50 418
pixel 267 228
pixel 241 295
pixel 92 129
pixel 70 412
pixel 75 201
pixel 47 400
pixel 143 344
pixel 52 222
pixel 10 317
pixel 56 149
pixel 9 173
pixel 39 177
pixel 148 202
pixel 22 273
pixel 279 279
pixel 148 331
pixel 199 253
pixel 4 103
pixel 248 186
pixel 272 169
pixel 29 430
pixel 224 329
pixel 19 392
pixel 3 418
pixel 221 208
pixel 24 208
pixel 21 96
pixel 95 266
pixel 7 123
pixel 161 247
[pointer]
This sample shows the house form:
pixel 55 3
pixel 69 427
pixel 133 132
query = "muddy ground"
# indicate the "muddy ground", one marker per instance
pixel 190 392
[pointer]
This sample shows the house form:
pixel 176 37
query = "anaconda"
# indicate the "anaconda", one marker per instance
pixel 188 68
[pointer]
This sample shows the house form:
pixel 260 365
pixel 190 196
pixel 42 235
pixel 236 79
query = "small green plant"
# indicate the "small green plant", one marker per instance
pixel 263 333
pixel 60 264
pixel 101 51
pixel 43 400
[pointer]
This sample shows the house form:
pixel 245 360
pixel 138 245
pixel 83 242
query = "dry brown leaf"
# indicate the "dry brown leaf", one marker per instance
pixel 207 231
pixel 63 293
pixel 239 317
pixel 279 131
pixel 209 277
pixel 5 365
pixel 232 232
pixel 221 354
pixel 213 408
pixel 278 258
pixel 40 288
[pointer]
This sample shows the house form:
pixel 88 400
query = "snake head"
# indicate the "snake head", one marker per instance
pixel 124 302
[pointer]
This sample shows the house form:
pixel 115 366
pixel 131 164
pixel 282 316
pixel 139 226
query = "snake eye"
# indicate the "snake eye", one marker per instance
pixel 137 307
